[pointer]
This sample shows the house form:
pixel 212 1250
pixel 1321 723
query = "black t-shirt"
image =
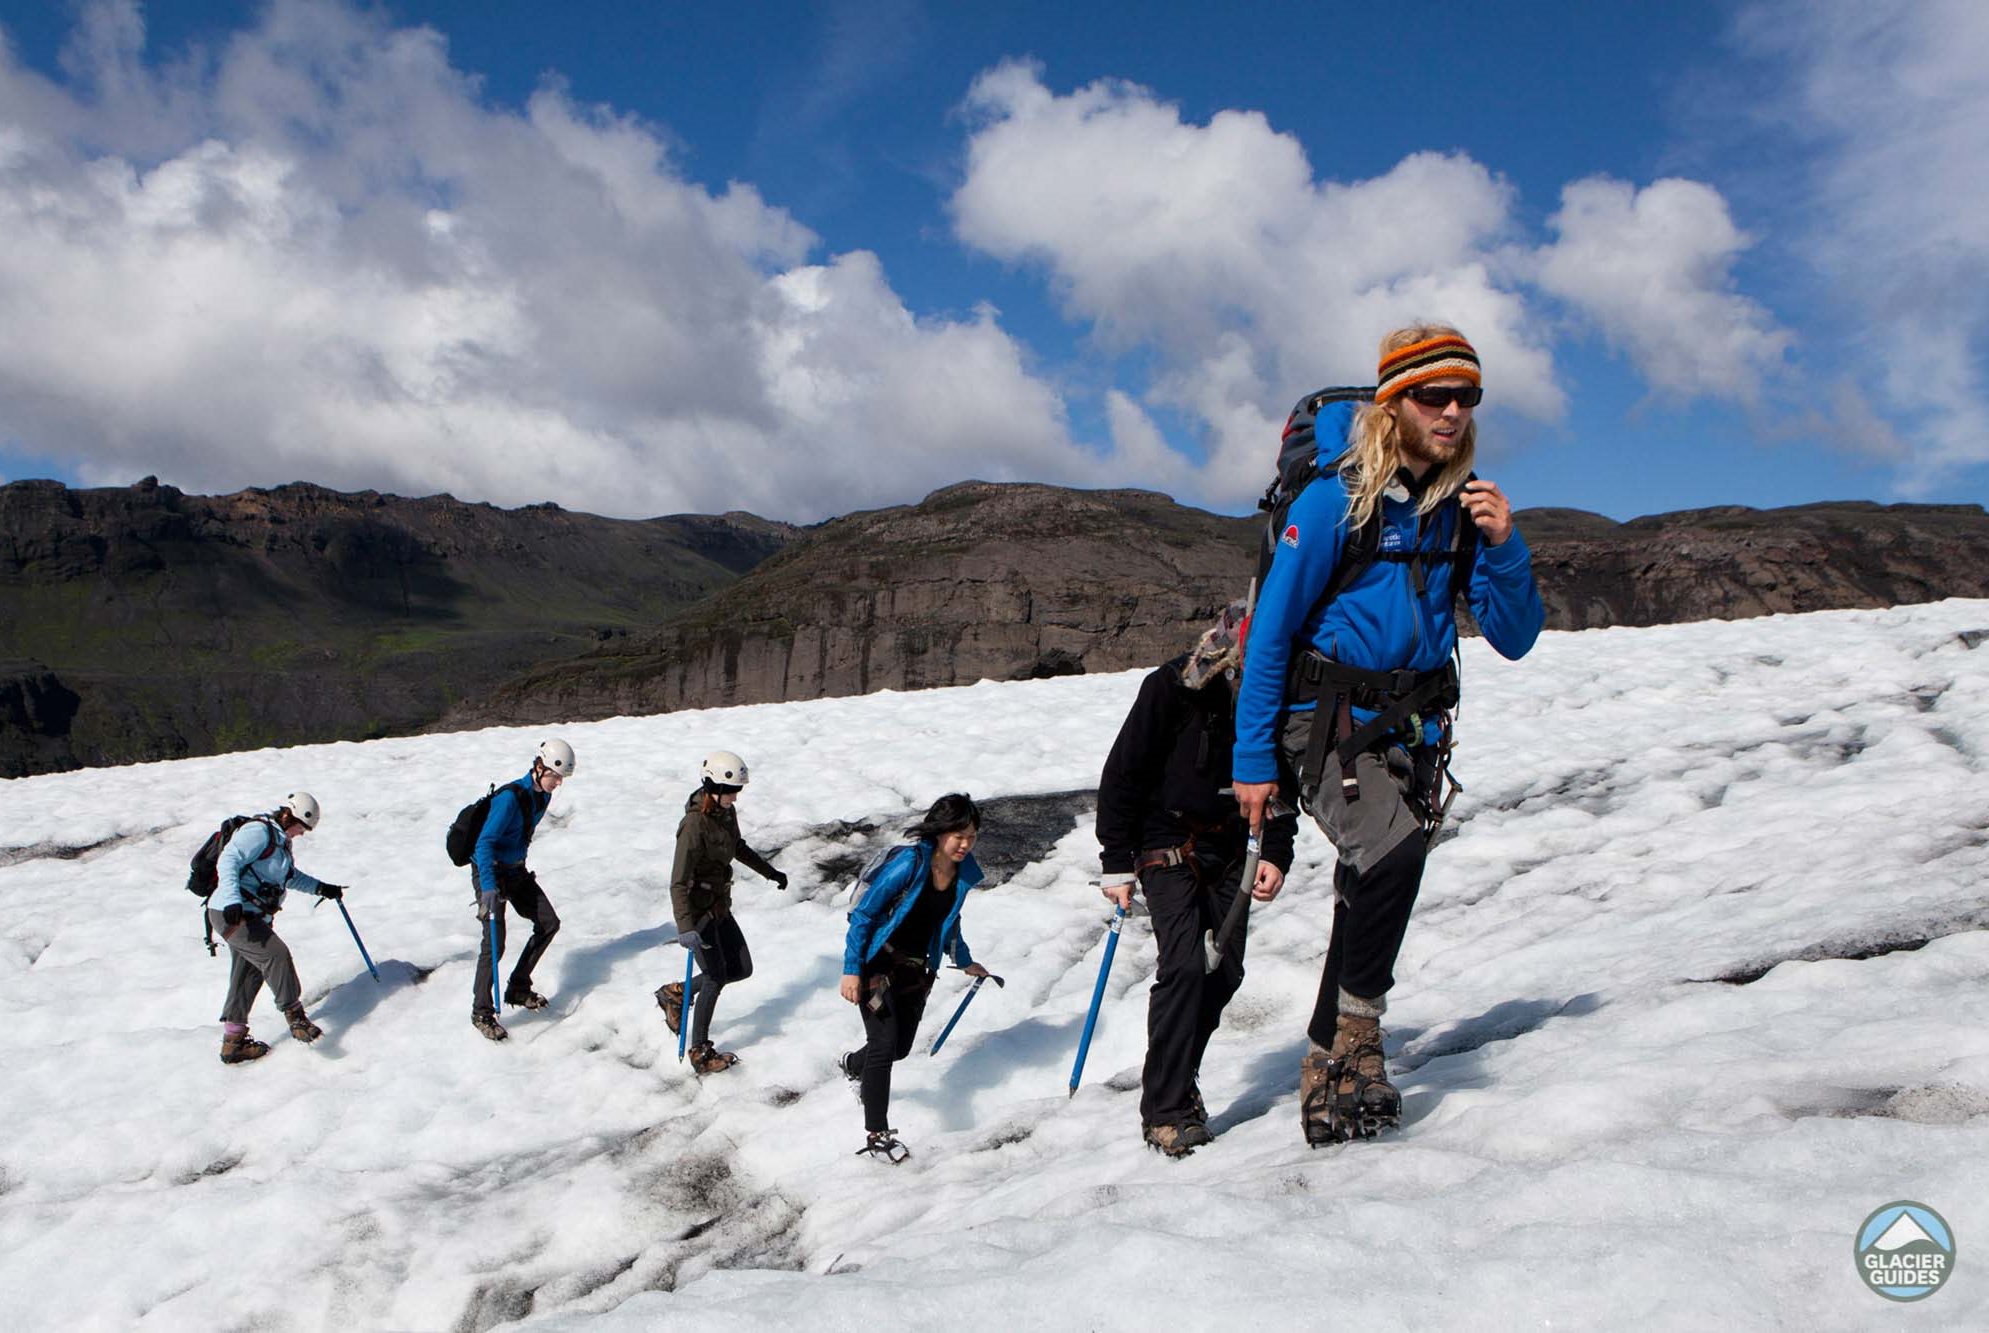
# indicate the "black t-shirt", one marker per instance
pixel 914 933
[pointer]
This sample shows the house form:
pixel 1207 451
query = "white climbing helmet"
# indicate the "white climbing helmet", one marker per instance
pixel 558 756
pixel 303 808
pixel 722 768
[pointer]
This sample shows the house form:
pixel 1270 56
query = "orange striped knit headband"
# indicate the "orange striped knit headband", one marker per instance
pixel 1432 359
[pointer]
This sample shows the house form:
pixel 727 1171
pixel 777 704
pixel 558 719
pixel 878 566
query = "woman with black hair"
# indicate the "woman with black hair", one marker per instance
pixel 907 916
pixel 708 842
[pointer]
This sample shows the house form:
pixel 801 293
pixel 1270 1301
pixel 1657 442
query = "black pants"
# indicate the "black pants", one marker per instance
pixel 723 958
pixel 519 888
pixel 1370 917
pixel 889 1029
pixel 1185 1005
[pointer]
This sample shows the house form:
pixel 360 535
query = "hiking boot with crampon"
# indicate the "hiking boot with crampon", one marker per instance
pixel 302 1028
pixel 883 1145
pixel 529 999
pixel 1177 1140
pixel 670 999
pixel 1344 1092
pixel 239 1048
pixel 708 1059
pixel 489 1026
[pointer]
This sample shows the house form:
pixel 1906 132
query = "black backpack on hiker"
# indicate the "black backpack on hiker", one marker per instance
pixel 204 868
pixel 1299 465
pixel 461 840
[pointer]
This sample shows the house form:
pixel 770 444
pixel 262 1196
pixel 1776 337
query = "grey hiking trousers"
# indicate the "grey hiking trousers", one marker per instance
pixel 256 954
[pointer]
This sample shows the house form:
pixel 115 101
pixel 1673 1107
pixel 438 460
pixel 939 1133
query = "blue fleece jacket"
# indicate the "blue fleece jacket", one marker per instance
pixel 255 870
pixel 887 900
pixel 506 832
pixel 1377 623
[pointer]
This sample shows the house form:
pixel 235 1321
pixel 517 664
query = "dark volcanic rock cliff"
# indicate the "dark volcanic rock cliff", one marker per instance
pixel 140 623
pixel 1733 562
pixel 977 581
pixel 1004 582
pixel 143 623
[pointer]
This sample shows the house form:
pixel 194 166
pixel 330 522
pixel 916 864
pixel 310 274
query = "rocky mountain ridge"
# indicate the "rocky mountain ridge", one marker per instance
pixel 1011 581
pixel 143 623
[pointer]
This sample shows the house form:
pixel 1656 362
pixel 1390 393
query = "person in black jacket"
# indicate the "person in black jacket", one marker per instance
pixel 1167 822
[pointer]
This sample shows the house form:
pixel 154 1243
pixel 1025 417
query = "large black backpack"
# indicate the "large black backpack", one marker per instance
pixel 1299 465
pixel 461 841
pixel 203 870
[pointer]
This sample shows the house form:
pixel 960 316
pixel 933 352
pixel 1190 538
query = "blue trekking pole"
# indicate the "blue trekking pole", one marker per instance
pixel 1097 997
pixel 684 1016
pixel 356 940
pixel 495 1007
pixel 965 1000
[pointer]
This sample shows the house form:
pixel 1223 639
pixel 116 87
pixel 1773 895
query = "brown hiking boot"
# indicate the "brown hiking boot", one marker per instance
pixel 1344 1093
pixel 302 1028
pixel 240 1049
pixel 708 1059
pixel 670 999
pixel 1177 1140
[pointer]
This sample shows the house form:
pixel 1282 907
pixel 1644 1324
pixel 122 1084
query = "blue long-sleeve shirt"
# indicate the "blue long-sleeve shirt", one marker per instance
pixel 515 811
pixel 887 900
pixel 255 870
pixel 1378 622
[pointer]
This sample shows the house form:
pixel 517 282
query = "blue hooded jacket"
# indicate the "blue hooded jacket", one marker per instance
pixel 1378 622
pixel 506 833
pixel 887 900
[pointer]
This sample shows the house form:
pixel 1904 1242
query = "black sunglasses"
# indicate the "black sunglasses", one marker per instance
pixel 1429 395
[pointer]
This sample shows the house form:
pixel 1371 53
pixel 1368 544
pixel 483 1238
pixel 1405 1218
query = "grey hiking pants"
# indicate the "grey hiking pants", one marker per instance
pixel 256 953
pixel 1381 845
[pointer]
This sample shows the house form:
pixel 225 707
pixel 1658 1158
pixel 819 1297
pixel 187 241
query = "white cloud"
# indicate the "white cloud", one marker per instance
pixel 1216 247
pixel 1891 202
pixel 1652 270
pixel 317 253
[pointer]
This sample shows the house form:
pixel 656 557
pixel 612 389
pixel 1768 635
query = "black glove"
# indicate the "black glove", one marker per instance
pixel 331 891
pixel 779 880
pixel 231 915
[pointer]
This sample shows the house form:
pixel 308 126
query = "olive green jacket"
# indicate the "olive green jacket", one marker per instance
pixel 701 876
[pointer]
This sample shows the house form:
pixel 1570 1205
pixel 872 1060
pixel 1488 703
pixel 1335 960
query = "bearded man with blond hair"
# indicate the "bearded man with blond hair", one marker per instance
pixel 1349 679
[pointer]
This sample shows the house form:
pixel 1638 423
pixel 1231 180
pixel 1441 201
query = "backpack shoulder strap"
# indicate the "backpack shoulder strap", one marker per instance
pixel 1359 551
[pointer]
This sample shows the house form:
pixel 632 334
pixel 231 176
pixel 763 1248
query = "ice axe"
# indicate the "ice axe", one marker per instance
pixel 1215 941
pixel 1097 996
pixel 965 1000
pixel 684 1015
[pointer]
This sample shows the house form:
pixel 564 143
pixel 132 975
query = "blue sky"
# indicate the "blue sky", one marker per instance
pixel 802 259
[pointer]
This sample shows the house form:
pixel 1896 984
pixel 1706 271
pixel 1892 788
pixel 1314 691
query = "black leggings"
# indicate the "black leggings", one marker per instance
pixel 518 888
pixel 723 958
pixel 1370 917
pixel 889 1031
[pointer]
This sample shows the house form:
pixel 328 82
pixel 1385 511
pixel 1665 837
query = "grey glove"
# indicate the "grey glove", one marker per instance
pixel 690 939
pixel 486 905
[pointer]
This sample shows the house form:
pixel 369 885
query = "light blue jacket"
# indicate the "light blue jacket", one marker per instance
pixel 255 870
pixel 1377 623
pixel 887 900
pixel 506 834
